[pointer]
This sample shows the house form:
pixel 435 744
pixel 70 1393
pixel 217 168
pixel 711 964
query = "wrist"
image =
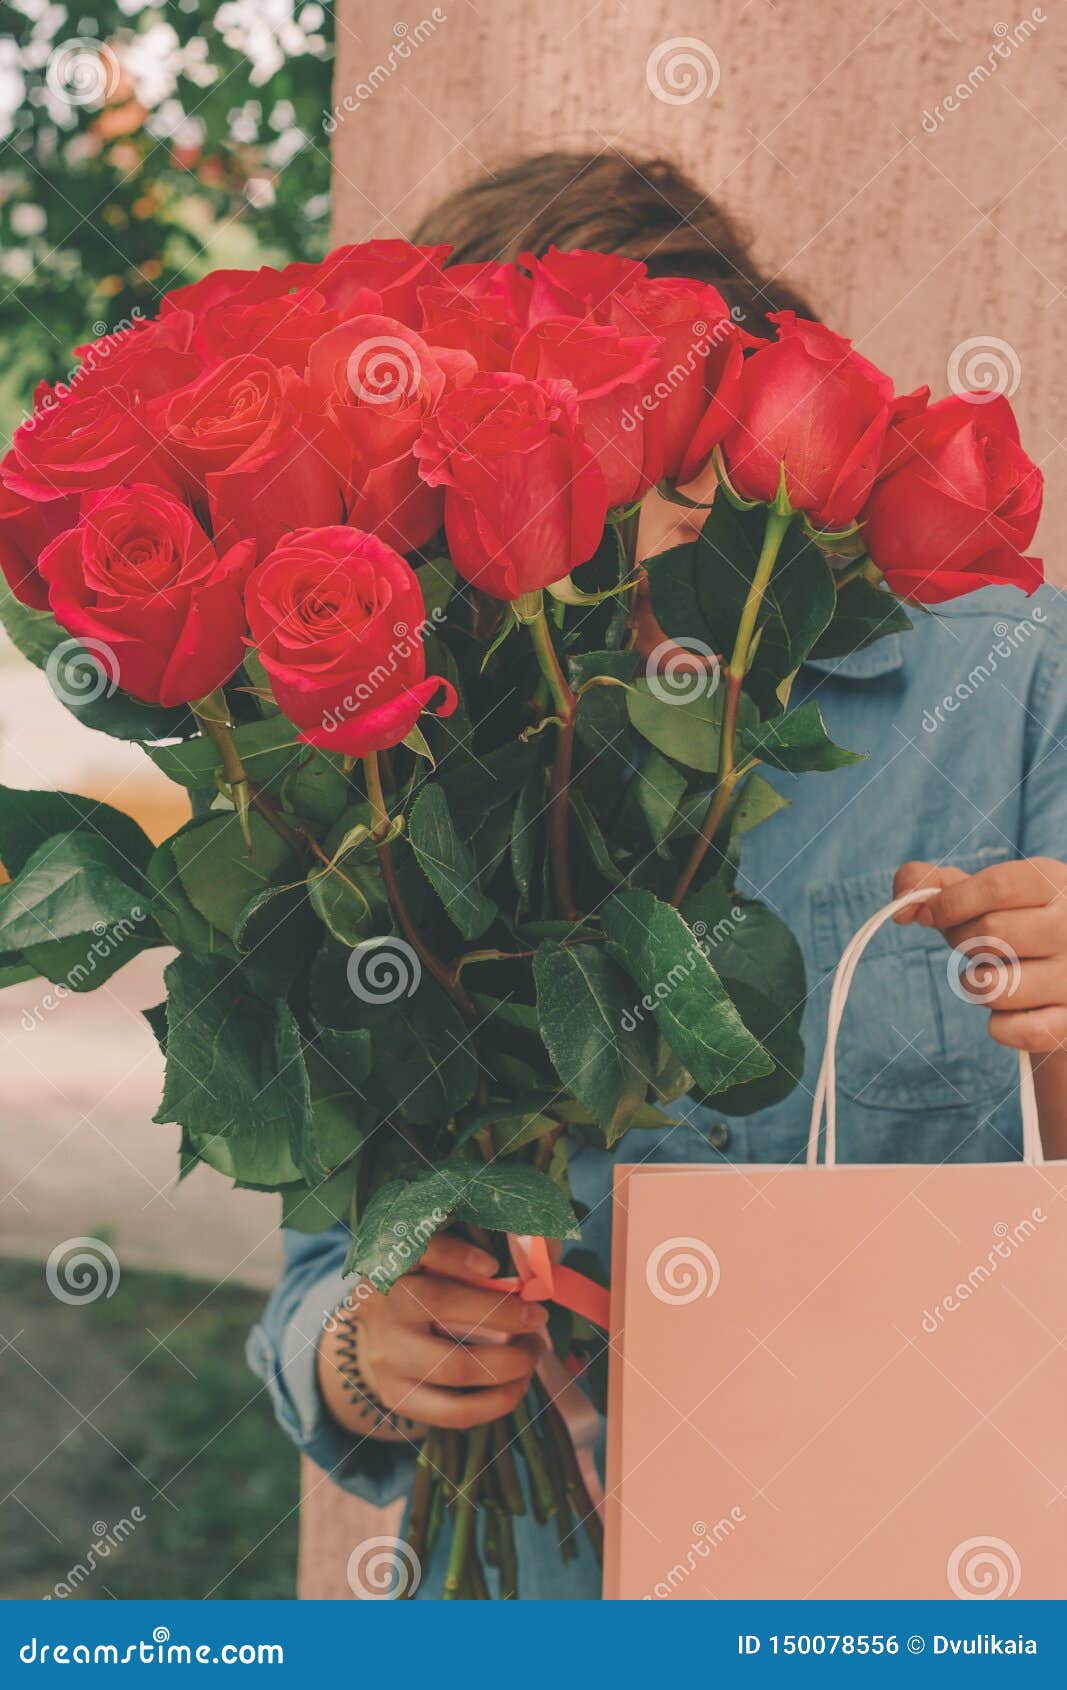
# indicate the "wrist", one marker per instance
pixel 349 1388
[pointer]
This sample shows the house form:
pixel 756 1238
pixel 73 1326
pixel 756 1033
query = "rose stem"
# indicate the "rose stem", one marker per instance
pixel 464 1512
pixel 728 772
pixel 426 1480
pixel 566 709
pixel 509 1561
pixel 507 1474
pixel 444 975
pixel 530 1444
pixel 212 717
pixel 583 1504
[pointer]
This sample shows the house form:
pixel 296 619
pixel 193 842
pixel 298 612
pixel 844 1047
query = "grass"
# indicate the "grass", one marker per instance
pixel 139 1401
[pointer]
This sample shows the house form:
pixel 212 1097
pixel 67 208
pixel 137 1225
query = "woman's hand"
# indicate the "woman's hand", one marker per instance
pixel 422 1376
pixel 1016 914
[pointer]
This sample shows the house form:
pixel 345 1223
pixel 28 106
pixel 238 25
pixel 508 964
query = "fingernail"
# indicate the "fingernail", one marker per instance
pixel 535 1315
pixel 479 1262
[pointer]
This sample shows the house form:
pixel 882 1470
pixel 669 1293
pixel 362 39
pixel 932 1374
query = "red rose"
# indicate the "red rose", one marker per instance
pixel 810 403
pixel 692 400
pixel 26 527
pixel 525 500
pixel 956 502
pixel 280 328
pixel 611 373
pixel 140 579
pixel 578 284
pixel 246 286
pixel 338 618
pixel 75 445
pixel 379 382
pixel 477 308
pixel 394 271
pixel 246 435
pixel 146 360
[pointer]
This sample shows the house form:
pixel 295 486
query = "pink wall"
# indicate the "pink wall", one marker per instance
pixel 916 227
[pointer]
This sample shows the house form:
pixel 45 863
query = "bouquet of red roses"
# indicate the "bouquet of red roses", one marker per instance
pixel 350 549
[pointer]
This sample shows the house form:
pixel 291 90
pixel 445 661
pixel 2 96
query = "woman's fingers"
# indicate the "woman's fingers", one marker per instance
pixel 910 876
pixel 455 1258
pixel 458 1410
pixel 422 1299
pixel 1036 1030
pixel 429 1360
pixel 1019 933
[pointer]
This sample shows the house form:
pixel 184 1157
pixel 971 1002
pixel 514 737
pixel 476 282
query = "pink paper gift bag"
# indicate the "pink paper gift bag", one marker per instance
pixel 840 1381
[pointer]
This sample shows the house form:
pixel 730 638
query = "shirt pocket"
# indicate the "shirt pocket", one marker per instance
pixel 907 1041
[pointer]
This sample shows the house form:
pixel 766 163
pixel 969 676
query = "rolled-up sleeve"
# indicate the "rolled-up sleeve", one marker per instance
pixel 282 1351
pixel 1044 830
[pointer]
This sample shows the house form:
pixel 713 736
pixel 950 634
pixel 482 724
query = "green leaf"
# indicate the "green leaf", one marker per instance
pixel 685 728
pixel 234 1062
pixel 660 787
pixel 447 862
pixel 437 581
pixel 73 885
pixel 219 875
pixel 682 990
pixel 317 1208
pixel 526 835
pixel 267 749
pixel 590 830
pixel 756 802
pixel 400 1219
pixel 864 613
pixel 797 741
pixel 28 819
pixel 176 916
pixel 585 1007
pixel 349 896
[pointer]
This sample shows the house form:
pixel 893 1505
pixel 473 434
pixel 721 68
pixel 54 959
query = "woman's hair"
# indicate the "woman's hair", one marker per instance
pixel 639 208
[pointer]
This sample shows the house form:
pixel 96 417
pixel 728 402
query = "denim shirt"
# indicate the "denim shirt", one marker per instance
pixel 964 725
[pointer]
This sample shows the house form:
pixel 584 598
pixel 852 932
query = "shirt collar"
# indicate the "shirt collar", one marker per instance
pixel 881 658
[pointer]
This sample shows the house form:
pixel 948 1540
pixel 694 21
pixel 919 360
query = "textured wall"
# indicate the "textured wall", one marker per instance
pixel 914 227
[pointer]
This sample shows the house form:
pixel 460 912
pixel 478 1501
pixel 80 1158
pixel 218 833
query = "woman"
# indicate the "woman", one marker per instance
pixel 965 786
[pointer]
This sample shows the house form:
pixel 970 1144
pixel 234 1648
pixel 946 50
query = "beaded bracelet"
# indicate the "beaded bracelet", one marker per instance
pixel 352 1376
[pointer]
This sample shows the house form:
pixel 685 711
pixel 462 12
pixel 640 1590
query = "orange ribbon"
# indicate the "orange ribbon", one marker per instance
pixel 539 1280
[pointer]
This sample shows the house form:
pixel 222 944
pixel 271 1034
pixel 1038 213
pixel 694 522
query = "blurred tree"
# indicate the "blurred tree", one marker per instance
pixel 143 142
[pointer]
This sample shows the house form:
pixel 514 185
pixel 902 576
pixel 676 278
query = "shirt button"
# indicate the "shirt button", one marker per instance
pixel 719 1136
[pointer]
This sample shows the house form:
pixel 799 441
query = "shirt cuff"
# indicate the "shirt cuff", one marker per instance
pixel 376 1471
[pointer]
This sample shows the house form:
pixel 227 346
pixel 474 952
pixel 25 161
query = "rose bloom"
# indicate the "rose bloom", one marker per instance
pixel 338 618
pixel 579 283
pixel 251 448
pixel 812 404
pixel 477 308
pixel 379 382
pixel 380 276
pixel 281 328
pixel 26 527
pixel 525 501
pixel 140 579
pixel 610 372
pixel 145 360
pixel 956 503
pixel 78 445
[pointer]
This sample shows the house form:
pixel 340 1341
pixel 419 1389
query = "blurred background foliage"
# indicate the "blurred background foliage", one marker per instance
pixel 142 143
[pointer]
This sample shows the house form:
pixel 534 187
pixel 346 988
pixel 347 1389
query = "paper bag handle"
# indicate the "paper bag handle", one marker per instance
pixel 826 1088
